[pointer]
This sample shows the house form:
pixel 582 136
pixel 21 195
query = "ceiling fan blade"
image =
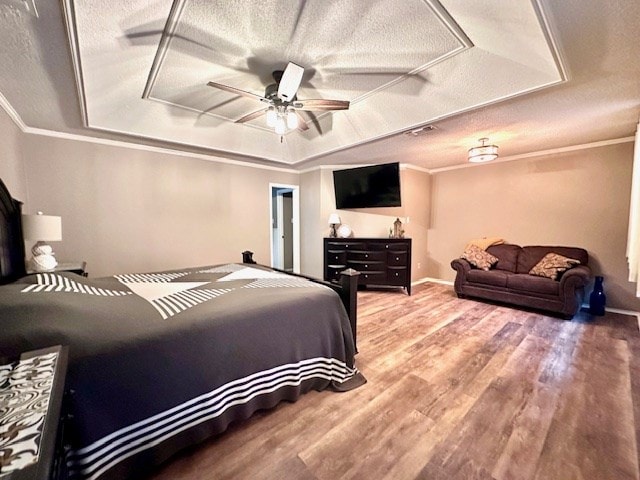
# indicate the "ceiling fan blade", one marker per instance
pixel 251 116
pixel 321 104
pixel 290 82
pixel 302 123
pixel 237 91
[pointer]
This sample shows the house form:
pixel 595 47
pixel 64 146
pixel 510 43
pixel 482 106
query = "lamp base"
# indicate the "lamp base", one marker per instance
pixel 43 259
pixel 43 263
pixel 332 232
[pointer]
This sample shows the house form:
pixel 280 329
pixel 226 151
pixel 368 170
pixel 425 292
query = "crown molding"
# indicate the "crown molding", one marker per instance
pixel 6 106
pixel 11 112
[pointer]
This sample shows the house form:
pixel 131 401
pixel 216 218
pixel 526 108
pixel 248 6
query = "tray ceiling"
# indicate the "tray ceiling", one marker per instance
pixel 531 75
pixel 143 69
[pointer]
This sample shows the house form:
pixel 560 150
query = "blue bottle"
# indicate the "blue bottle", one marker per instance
pixel 598 299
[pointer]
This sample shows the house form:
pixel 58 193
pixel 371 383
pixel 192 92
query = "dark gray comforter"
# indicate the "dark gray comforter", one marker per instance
pixel 163 360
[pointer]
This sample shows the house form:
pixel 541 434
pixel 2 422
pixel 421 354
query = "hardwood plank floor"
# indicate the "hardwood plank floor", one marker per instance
pixel 457 389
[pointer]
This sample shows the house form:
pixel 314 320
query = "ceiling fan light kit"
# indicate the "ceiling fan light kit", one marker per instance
pixel 282 112
pixel 483 152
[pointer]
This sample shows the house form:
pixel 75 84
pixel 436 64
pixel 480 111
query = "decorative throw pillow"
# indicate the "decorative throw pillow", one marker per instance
pixel 478 257
pixel 552 265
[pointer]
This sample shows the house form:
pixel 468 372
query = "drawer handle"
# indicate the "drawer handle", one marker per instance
pixel 397 258
pixel 396 274
pixel 386 246
pixel 347 245
pixel 366 256
pixel 366 266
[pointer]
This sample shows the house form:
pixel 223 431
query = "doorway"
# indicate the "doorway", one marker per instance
pixel 284 205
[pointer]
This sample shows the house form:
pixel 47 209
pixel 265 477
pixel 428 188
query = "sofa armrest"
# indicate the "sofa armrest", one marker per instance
pixel 572 285
pixel 577 277
pixel 462 268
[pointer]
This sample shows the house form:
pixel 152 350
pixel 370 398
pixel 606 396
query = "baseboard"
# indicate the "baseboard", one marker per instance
pixel 432 280
pixel 584 305
pixel 621 311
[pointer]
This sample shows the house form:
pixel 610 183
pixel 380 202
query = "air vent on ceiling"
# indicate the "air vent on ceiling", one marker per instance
pixel 420 130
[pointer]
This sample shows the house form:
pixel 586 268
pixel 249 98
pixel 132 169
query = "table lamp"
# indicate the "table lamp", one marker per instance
pixel 42 228
pixel 334 220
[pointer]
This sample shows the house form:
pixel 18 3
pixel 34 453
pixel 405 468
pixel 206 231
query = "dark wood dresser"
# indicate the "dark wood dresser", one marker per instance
pixel 380 261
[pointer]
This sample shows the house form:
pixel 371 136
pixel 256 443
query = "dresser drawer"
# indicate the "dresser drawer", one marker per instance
pixel 367 266
pixel 389 246
pixel 367 256
pixel 336 257
pixel 347 245
pixel 373 278
pixel 397 258
pixel 397 275
pixel 333 272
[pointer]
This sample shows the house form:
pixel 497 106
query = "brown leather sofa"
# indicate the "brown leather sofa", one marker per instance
pixel 509 280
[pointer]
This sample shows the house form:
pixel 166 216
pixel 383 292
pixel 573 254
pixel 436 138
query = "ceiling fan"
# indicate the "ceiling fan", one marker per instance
pixel 283 104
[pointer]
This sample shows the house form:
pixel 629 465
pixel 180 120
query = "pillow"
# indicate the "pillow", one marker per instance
pixel 478 257
pixel 552 265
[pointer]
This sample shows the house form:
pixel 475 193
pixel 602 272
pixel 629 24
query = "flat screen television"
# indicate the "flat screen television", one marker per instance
pixel 368 187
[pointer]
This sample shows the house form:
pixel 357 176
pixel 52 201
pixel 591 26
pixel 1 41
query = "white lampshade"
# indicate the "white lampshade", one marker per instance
pixel 47 228
pixel 334 219
pixel 281 126
pixel 272 116
pixel 292 119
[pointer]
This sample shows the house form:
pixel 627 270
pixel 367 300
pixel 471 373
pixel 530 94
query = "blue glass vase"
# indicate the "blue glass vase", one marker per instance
pixel 598 299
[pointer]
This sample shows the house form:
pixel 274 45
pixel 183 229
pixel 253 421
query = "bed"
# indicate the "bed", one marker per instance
pixel 163 360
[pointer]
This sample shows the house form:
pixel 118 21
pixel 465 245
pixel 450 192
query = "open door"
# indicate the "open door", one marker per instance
pixel 284 203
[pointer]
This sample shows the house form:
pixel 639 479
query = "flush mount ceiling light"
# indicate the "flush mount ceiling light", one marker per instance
pixel 483 153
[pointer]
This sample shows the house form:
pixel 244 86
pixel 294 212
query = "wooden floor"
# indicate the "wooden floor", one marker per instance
pixel 457 389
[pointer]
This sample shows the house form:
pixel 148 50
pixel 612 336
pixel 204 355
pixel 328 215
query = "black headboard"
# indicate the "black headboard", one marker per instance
pixel 11 240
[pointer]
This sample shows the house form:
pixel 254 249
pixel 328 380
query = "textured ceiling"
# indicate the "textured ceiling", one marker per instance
pixel 530 75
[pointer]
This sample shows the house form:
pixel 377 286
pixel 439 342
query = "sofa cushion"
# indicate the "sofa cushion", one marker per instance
pixel 552 265
pixel 478 257
pixel 507 256
pixel 530 256
pixel 524 282
pixel 494 278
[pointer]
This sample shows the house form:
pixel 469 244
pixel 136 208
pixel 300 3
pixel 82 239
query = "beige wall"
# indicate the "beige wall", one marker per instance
pixel 312 227
pixel 127 210
pixel 11 166
pixel 578 199
pixel 318 203
pixel 133 210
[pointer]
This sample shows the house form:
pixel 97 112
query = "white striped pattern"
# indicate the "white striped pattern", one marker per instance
pixel 175 303
pixel 229 268
pixel 92 461
pixel 292 282
pixel 149 277
pixel 51 282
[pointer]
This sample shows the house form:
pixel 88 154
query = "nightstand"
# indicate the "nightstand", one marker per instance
pixel 32 397
pixel 74 267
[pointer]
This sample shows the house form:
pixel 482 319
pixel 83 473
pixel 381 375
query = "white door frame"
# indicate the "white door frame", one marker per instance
pixel 295 220
pixel 278 237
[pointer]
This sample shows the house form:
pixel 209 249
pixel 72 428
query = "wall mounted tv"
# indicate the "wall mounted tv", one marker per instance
pixel 368 187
